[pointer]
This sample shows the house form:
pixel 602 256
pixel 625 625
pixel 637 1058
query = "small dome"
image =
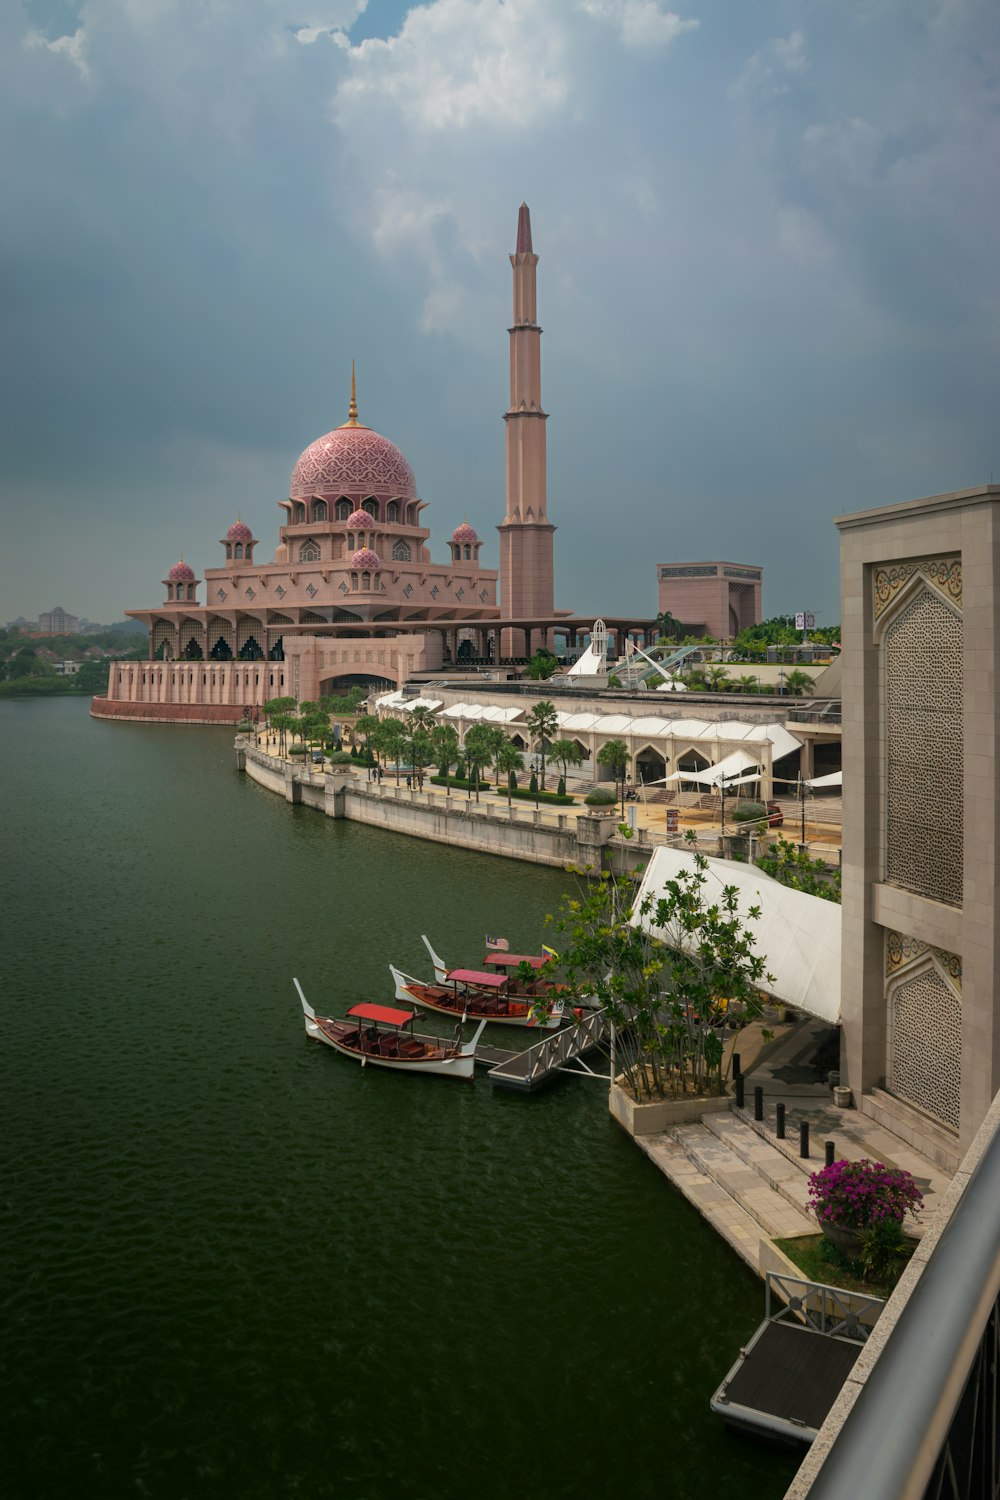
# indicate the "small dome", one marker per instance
pixel 360 520
pixel 181 573
pixel 464 533
pixel 366 558
pixel 239 532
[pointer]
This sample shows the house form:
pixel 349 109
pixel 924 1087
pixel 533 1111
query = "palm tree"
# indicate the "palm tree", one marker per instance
pixel 798 683
pixel 717 678
pixel 615 753
pixel 391 739
pixel 367 725
pixel 508 760
pixel 565 753
pixel 445 739
pixel 542 723
pixel 421 753
pixel 746 684
pixel 478 751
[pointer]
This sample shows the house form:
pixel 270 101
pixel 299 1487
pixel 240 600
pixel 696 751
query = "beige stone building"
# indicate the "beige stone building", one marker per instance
pixel 920 590
pixel 711 598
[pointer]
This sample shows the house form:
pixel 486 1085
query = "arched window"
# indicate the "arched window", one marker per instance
pixel 392 511
pixel 371 506
pixel 190 590
pixel 221 651
pixel 298 513
pixel 192 651
pixel 251 650
pixel 366 581
pixel 343 509
pixel 354 580
pixel 401 552
pixel 238 550
pixel 276 653
pixel 229 551
pixel 411 515
pixel 468 550
pixel 319 510
pixel 309 551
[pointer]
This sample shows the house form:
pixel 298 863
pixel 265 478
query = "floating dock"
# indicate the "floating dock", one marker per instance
pixel 558 1052
pixel 790 1373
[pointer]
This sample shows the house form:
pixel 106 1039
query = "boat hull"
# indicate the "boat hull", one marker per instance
pixel 458 1065
pixel 472 1006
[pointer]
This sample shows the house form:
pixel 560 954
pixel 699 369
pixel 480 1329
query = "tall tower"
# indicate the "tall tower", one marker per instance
pixel 526 577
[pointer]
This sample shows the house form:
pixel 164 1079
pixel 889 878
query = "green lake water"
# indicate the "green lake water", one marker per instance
pixel 234 1263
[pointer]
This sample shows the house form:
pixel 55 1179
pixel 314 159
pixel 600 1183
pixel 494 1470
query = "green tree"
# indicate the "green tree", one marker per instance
pixel 798 683
pixel 542 723
pixel 366 726
pixel 478 751
pixel 392 741
pixel 717 678
pixel 565 753
pixel 421 748
pixel 615 755
pixel 542 665
pixel 670 974
pixel 508 761
pixel 445 738
pixel 669 628
pixel 795 867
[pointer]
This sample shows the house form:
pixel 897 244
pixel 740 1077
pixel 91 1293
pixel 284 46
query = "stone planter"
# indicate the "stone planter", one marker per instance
pixel 650 1117
pixel 847 1241
pixel 842 1096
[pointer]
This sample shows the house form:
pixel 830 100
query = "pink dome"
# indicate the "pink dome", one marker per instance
pixel 181 573
pixel 353 460
pixel 239 532
pixel 464 533
pixel 360 520
pixel 366 558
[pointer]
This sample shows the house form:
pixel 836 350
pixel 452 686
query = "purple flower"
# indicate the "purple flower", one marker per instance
pixel 859 1194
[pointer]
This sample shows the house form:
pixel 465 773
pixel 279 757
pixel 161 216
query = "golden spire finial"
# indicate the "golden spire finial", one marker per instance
pixel 352 413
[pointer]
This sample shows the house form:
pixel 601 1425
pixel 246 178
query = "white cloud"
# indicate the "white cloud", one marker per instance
pixel 642 23
pixel 765 75
pixel 73 47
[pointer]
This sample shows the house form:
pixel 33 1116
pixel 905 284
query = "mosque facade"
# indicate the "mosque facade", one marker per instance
pixel 352 594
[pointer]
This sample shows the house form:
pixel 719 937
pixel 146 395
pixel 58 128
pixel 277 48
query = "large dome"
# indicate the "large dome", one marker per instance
pixel 353 460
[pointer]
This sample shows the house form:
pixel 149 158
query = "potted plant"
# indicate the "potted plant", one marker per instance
pixel 861 1206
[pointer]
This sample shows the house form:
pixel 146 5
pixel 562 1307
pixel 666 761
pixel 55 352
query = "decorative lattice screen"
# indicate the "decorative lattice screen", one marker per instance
pixel 925 1046
pixel 923 739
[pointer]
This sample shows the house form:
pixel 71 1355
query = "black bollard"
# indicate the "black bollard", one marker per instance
pixel 779 1121
pixel 829 1153
pixel 737 1069
pixel 804 1139
pixel 739 1092
pixel 758 1103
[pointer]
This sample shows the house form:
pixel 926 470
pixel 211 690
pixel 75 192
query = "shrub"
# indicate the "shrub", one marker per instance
pixel 296 749
pixel 863 1194
pixel 526 795
pixel 561 788
pixel 461 782
pixel 749 812
pixel 600 797
pixel 340 758
pixel 533 783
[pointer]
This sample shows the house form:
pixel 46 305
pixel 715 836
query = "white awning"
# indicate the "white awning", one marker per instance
pixel 735 765
pixel 502 715
pixel 413 703
pixel 579 722
pixel 613 724
pixel 797 936
pixel 835 778
pixel 455 711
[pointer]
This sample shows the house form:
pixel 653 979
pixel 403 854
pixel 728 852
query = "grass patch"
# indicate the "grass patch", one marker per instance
pixel 819 1260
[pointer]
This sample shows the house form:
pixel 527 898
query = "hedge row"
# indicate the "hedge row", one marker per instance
pixel 460 782
pixel 529 796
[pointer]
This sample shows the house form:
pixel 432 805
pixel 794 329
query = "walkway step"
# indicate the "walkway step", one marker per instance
pixel 782 1175
pixel 774 1213
pixel 737 1228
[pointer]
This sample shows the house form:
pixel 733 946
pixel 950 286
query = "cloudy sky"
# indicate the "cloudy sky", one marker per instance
pixel 768 281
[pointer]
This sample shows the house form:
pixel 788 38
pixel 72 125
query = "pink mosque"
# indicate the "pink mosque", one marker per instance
pixel 351 594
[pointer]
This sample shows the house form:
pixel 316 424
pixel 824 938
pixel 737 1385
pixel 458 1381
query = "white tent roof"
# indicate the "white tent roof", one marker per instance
pixel 502 715
pixel 421 703
pixel 651 726
pixel 591 664
pixel 613 724
pixel 390 700
pixel 835 778
pixel 798 936
pixel 575 721
pixel 455 711
pixel 730 766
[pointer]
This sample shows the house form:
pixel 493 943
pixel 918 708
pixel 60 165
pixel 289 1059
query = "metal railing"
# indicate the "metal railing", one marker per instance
pixel 557 1049
pixel 825 1309
pixel 924 1425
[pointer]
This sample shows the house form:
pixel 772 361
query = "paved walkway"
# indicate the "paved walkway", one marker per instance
pixel 752 1187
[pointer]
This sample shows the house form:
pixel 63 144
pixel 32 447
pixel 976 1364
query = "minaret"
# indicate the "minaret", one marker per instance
pixel 526 579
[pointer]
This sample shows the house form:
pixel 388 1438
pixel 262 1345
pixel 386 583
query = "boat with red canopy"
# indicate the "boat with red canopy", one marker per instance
pixel 384 1036
pixel 534 989
pixel 479 994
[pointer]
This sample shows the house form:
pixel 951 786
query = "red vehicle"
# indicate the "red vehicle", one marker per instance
pixel 775 817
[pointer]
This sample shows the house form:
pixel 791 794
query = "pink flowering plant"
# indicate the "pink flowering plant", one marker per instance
pixel 863 1195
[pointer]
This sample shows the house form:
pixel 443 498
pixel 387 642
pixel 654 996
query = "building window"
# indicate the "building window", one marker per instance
pixel 220 594
pixel 190 590
pixel 371 506
pixel 392 511
pixel 343 587
pixel 408 590
pixel 229 551
pixel 401 552
pixel 251 592
pixel 484 594
pixel 309 551
pixel 468 551
pixel 280 592
pixel 435 591
pixel 319 510
pixel 459 593
pixel 311 591
pixel 238 550
pixel 366 581
pixel 343 509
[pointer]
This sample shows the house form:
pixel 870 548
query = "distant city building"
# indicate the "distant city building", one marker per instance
pixel 57 622
pixel 67 668
pixel 712 598
pixel 920 586
pixel 27 627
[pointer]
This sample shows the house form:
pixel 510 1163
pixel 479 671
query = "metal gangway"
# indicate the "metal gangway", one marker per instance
pixel 558 1052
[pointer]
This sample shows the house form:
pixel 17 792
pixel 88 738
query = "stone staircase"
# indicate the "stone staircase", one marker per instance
pixel 752 1187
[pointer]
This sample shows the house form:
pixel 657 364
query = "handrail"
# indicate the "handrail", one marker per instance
pixel 895 1433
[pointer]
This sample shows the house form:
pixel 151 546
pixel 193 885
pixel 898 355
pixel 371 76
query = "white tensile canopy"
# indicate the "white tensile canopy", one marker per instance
pixel 591 664
pixel 739 764
pixel 835 778
pixel 798 936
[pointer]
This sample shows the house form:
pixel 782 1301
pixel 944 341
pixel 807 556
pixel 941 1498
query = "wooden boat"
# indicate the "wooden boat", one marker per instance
pixel 500 963
pixel 476 995
pixel 384 1037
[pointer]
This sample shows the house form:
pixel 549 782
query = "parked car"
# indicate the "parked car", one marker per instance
pixel 775 817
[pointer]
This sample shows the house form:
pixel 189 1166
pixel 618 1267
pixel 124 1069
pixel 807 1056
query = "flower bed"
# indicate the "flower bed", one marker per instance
pixel 861 1206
